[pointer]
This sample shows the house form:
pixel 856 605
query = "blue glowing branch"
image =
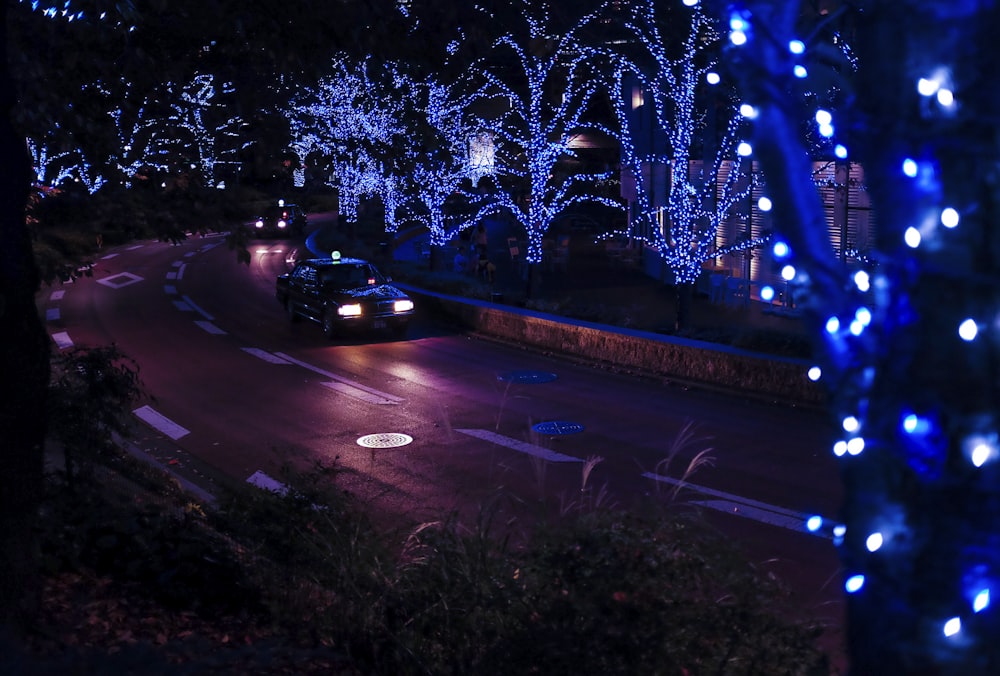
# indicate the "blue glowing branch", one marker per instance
pixel 51 169
pixel 211 140
pixel 907 348
pixel 546 105
pixel 351 119
pixel 695 209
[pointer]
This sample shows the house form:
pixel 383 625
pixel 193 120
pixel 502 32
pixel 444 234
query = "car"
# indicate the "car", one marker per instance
pixel 280 220
pixel 343 295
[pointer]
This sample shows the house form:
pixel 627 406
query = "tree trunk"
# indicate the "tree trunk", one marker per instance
pixel 24 367
pixel 916 405
pixel 685 297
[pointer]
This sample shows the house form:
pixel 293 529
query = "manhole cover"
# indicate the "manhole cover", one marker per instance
pixel 385 440
pixel 558 427
pixel 527 377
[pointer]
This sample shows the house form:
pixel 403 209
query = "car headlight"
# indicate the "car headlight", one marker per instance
pixel 404 305
pixel 259 223
pixel 282 223
pixel 349 310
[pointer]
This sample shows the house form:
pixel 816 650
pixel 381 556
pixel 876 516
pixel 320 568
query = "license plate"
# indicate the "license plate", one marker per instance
pixel 378 324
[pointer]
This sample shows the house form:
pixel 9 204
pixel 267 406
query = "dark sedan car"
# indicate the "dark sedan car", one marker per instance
pixel 280 220
pixel 343 294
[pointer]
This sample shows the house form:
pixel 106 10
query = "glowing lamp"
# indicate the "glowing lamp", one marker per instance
pixel 854 583
pixel 968 330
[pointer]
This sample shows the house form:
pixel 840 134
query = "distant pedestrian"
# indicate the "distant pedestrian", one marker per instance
pixel 482 241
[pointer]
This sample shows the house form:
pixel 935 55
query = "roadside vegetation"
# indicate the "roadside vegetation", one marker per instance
pixel 135 576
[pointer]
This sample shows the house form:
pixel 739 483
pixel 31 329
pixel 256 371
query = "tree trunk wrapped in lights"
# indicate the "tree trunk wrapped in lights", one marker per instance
pixel 909 347
pixel 677 89
pixel 548 88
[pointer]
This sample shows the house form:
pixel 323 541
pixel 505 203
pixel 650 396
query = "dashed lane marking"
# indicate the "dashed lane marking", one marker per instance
pixel 265 355
pixel 389 398
pixel 736 505
pixel 210 328
pixel 160 422
pixel 519 446
pixel 362 394
pixel 194 306
pixel 62 340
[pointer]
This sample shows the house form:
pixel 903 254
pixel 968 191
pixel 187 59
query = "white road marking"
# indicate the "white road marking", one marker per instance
pixel 109 256
pixel 265 355
pixel 160 422
pixel 262 480
pixel 519 446
pixel 52 314
pixel 170 290
pixel 340 379
pixel 120 280
pixel 739 506
pixel 182 306
pixel 57 295
pixel 211 328
pixel 187 299
pixel 358 393
pixel 62 340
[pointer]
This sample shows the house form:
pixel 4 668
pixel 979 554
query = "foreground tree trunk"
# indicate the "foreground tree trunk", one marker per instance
pixel 915 386
pixel 24 366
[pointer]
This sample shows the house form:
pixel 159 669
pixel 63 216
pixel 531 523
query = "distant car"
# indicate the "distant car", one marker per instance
pixel 343 295
pixel 281 220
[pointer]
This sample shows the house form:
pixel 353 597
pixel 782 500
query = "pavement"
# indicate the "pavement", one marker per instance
pixel 617 290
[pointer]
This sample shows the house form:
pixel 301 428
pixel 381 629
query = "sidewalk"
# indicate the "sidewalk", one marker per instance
pixel 613 291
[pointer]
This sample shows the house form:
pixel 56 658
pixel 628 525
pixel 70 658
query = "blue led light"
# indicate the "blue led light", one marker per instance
pixel 832 325
pixel 797 47
pixel 910 168
pixel 780 249
pixel 982 601
pixel 767 293
pixel 814 523
pixel 854 583
pixel 968 330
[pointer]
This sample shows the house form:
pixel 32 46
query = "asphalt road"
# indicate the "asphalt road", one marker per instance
pixel 236 391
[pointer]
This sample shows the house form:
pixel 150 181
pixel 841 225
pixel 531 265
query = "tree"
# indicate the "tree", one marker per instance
pixel 545 90
pixel 351 117
pixel 440 164
pixel 908 347
pixel 683 109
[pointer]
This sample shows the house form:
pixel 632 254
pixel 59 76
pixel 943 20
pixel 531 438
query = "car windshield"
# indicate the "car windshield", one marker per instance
pixel 344 276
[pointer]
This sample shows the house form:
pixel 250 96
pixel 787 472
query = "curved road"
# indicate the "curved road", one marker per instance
pixel 237 391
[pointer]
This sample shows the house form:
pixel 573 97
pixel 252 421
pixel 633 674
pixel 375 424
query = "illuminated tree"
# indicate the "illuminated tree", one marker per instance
pixel 213 131
pixel 547 88
pixel 678 84
pixel 908 346
pixel 51 168
pixel 351 118
pixel 440 164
